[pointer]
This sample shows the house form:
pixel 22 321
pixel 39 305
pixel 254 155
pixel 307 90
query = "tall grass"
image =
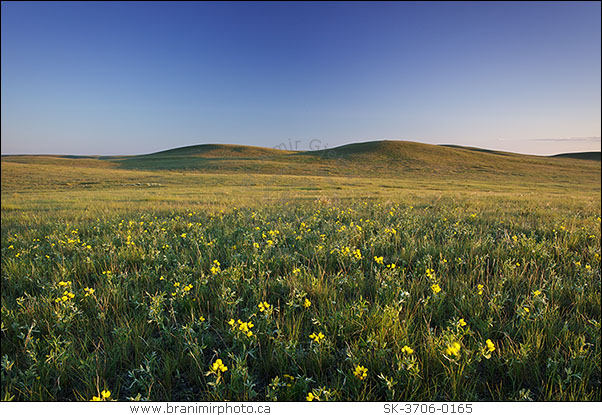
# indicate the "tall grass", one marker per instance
pixel 518 269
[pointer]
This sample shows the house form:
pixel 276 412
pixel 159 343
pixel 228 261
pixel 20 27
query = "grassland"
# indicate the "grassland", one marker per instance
pixel 135 274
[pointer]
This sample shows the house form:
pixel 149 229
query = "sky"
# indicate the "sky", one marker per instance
pixel 130 78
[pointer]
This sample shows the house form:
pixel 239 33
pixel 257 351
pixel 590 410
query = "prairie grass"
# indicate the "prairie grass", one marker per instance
pixel 137 282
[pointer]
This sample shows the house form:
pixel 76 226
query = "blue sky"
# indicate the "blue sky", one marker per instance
pixel 129 78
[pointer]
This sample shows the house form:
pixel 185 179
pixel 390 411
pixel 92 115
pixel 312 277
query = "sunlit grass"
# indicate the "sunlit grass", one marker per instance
pixel 257 287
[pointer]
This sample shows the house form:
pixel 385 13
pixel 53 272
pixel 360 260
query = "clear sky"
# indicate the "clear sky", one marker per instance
pixel 129 78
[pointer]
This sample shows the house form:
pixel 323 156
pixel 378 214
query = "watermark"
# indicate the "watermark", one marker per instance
pixel 427 408
pixel 201 408
pixel 314 145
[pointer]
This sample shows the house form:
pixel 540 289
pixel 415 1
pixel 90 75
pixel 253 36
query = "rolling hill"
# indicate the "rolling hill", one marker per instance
pixel 378 159
pixel 587 155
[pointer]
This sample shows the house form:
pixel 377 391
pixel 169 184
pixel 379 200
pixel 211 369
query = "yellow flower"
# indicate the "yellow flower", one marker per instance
pixel 244 327
pixel 436 289
pixel 407 350
pixel 526 309
pixel 218 367
pixel 306 303
pixel 461 323
pixel 105 394
pixel 317 337
pixel 490 345
pixel 95 399
pixel 360 372
pixel 453 349
pixel 89 291
pixel 183 235
pixel 430 273
pixel 378 259
pixel 310 397
pixel 480 288
pixel 536 293
pixel 264 306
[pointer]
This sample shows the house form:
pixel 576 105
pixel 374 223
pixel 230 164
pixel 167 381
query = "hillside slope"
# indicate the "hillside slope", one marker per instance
pixel 587 155
pixel 378 159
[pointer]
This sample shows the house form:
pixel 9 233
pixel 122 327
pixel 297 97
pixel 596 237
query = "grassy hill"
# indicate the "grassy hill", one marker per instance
pixel 376 159
pixel 217 151
pixel 588 155
pixel 344 170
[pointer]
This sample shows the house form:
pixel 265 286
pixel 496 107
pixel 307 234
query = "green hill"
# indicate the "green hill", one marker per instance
pixel 377 159
pixel 588 155
pixel 218 151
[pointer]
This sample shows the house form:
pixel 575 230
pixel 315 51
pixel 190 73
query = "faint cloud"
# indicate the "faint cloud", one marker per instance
pixel 568 139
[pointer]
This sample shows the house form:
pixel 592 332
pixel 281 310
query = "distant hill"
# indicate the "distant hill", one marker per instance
pixel 218 151
pixel 588 155
pixel 378 159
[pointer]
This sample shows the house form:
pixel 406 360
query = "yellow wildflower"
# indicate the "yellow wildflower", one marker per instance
pixel 306 303
pixel 407 350
pixel 490 345
pixel 264 307
pixel 453 349
pixel 436 289
pixel 218 367
pixel 360 372
pixel 317 337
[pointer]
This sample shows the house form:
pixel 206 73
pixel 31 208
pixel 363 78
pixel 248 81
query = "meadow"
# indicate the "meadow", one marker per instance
pixel 464 276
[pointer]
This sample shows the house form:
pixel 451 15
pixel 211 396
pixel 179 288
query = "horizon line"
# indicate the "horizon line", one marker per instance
pixel 278 147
